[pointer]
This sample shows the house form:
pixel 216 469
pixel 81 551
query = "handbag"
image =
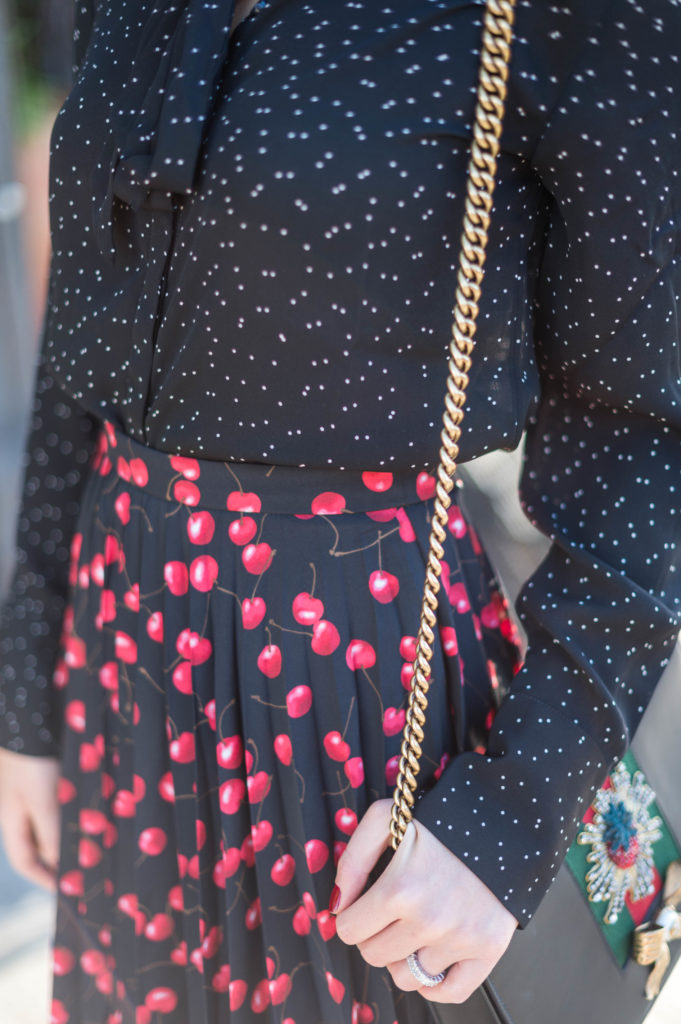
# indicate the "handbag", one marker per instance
pixel 576 959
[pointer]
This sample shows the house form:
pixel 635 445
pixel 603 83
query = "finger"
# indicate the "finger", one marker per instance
pixel 46 829
pixel 22 853
pixel 361 916
pixel 461 981
pixel 394 943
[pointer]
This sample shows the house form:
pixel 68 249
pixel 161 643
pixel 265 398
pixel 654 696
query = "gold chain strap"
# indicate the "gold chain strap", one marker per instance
pixel 482 166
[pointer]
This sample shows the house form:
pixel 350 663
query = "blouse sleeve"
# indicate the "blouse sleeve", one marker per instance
pixel 60 441
pixel 602 466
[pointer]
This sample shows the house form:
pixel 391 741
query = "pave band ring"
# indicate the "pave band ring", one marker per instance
pixel 420 974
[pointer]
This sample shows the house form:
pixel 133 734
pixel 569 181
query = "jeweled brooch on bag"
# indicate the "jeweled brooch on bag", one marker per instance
pixel 623 858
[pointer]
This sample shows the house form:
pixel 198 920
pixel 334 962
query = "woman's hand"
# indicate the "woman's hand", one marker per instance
pixel 29 815
pixel 426 900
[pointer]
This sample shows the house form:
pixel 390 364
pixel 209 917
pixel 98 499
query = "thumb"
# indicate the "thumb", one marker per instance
pixel 367 843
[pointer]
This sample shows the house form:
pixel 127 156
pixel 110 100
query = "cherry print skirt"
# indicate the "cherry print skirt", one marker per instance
pixel 233 676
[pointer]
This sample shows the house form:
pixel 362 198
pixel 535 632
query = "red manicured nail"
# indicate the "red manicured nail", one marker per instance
pixel 335 899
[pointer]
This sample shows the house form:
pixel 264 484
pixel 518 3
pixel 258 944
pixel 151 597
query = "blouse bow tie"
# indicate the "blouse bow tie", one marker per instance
pixel 165 104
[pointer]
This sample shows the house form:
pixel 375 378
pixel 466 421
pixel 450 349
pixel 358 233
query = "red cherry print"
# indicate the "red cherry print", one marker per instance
pixel 75 715
pixel 365 1014
pixel 110 836
pixel 230 751
pixel 360 654
pixel 301 922
pixel 444 761
pixel 232 793
pixel 125 647
pixel 257 557
pixel 336 747
pixel 66 790
pixel 269 661
pixel 325 637
pixel 179 954
pixel 253 916
pixel 338 849
pixel 155 626
pixel 406 530
pixel 248 757
pixel 196 957
pixel 139 787
pixel 283 748
pixel 391 770
pixel 107 786
pixel 112 549
pixel 108 675
pixel 307 609
pixel 221 978
pixel 449 642
pixel 92 961
pixel 123 468
pixel 346 820
pixel 182 865
pixel 280 988
pixel 186 493
pixel 237 993
pixel 261 835
pixel 201 834
pixel 139 472
pixel 188 467
pixel 182 677
pixel 203 572
pixel 316 854
pixel 127 903
pixel 226 866
pixel 84 577
pixel 354 769
pixel 193 866
pixel 326 922
pixel 201 527
pixel 166 787
pixel 176 898
pixel 260 998
pixel 97 570
pixel 152 841
pixel 328 503
pixel 89 758
pixel 124 804
pixel 131 598
pixel 252 612
pixel 336 987
pixel 309 904
pixel 63 960
pixel 384 586
pixel 382 515
pixel 459 598
pixel 489 616
pixel 283 869
pixel 406 673
pixel 122 506
pixel 193 647
pixel 456 524
pixel 377 481
pixel 212 942
pixel 143 1014
pixel 104 935
pixel 176 576
pixel 258 786
pixel 75 654
pixel 242 530
pixel 107 605
pixel 91 821
pixel 183 749
pixel 60 676
pixel 425 486
pixel 58 1012
pixel 161 1000
pixel 211 714
pixel 89 853
pixel 159 928
pixel 393 720
pixel 408 647
pixel 71 883
pixel 299 700
pixel 243 501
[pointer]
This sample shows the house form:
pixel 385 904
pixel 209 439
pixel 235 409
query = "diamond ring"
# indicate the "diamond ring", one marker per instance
pixel 420 974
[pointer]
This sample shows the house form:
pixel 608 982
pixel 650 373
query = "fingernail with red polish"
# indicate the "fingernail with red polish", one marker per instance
pixel 335 899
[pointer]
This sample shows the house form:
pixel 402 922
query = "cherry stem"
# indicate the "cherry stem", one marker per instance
pixel 314 578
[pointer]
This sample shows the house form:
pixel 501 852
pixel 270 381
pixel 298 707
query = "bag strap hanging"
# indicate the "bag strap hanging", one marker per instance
pixel 481 178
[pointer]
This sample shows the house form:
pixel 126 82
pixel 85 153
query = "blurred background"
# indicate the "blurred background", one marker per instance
pixel 35 76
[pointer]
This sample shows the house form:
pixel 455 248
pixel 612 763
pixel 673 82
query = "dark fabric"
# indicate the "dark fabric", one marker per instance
pixel 229 717
pixel 294 306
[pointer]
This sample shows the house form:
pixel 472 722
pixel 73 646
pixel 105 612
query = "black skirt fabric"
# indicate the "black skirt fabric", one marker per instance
pixel 234 670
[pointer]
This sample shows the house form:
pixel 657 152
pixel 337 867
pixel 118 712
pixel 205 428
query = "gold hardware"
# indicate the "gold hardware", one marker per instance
pixel 481 174
pixel 651 940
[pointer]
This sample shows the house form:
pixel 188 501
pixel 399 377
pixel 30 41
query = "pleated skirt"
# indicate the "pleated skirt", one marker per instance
pixel 233 675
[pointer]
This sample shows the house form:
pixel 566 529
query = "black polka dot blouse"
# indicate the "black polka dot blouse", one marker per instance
pixel 255 240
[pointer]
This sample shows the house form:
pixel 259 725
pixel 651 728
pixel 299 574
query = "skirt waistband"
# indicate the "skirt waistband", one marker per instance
pixel 256 487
